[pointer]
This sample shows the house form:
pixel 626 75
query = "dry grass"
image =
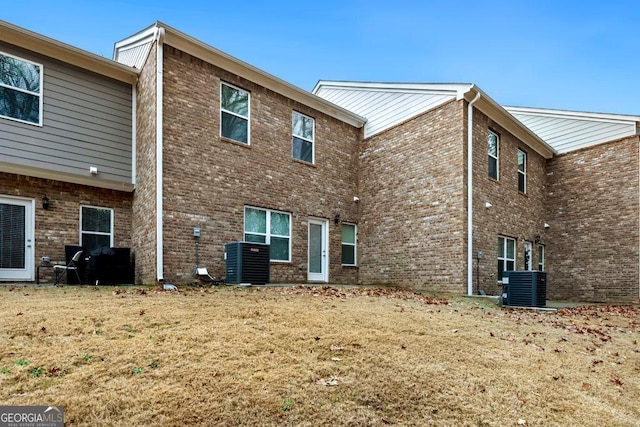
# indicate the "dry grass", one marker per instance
pixel 114 356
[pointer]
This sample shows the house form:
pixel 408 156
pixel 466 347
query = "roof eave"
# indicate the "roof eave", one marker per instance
pixel 34 42
pixel 207 53
pixel 505 119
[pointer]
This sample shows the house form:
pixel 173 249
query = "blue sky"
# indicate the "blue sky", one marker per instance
pixel 576 55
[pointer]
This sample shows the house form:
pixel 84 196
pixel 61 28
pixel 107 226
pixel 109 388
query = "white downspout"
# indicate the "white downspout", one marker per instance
pixel 159 139
pixel 470 195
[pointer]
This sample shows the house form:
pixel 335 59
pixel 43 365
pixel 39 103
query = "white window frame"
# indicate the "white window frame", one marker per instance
pixel 39 94
pixel 268 234
pixel 312 140
pixel 97 233
pixel 354 244
pixel 248 118
pixel 522 172
pixel 504 259
pixel 497 156
pixel 541 257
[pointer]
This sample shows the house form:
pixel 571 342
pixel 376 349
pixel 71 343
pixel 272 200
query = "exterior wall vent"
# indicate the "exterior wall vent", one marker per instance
pixel 247 262
pixel 524 288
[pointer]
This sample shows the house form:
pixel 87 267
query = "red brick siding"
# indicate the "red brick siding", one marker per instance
pixel 412 228
pixel 60 224
pixel 208 181
pixel 513 214
pixel 593 244
pixel 144 197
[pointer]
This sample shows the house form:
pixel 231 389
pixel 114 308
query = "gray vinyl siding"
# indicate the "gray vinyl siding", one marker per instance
pixel 86 121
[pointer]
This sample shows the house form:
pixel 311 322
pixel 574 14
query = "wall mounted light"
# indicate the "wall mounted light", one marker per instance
pixel 537 240
pixel 93 170
pixel 487 205
pixel 356 199
pixel 45 202
pixel 336 218
pixel 546 225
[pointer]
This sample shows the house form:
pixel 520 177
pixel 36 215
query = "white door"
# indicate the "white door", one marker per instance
pixel 16 238
pixel 318 270
pixel 527 255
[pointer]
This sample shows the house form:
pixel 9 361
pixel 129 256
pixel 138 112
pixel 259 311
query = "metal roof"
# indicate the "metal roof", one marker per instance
pixel 388 104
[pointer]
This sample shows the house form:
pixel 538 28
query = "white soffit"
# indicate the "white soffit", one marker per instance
pixel 571 130
pixel 386 105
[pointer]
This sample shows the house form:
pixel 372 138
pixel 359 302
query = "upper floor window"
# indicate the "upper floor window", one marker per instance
pixel 506 255
pixel 349 244
pixel 20 89
pixel 234 113
pixel 522 171
pixel 541 260
pixel 96 227
pixel 302 128
pixel 494 154
pixel 270 227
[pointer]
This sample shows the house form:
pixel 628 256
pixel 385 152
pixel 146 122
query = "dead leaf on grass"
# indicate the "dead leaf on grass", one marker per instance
pixel 586 386
pixel 19 314
pixel 617 381
pixel 331 381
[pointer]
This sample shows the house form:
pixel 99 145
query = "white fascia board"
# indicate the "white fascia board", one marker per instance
pixel 209 54
pixel 89 180
pixel 505 119
pixel 51 48
pixel 457 89
pixel 576 115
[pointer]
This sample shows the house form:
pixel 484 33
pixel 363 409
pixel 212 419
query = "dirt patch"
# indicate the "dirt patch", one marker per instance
pixel 309 356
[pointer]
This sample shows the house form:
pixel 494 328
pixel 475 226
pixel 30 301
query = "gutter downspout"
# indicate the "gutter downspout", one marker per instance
pixel 470 194
pixel 159 139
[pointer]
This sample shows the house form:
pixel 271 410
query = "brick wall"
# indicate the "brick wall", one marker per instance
pixel 412 228
pixel 512 214
pixel 60 224
pixel 144 196
pixel 593 242
pixel 208 181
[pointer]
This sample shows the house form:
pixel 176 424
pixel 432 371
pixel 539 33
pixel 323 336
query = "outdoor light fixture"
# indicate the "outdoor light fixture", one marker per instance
pixel 45 202
pixel 537 240
pixel 336 218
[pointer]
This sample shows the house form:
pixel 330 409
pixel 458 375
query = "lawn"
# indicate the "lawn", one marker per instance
pixel 314 356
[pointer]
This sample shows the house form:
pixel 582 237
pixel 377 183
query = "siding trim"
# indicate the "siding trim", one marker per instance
pixel 65 177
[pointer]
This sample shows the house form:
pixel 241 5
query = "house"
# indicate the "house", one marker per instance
pixel 66 151
pixel 354 183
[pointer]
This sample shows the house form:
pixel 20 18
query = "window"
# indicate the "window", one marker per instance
pixel 349 244
pixel 302 128
pixel 271 227
pixel 494 153
pixel 96 227
pixel 506 255
pixel 20 89
pixel 541 257
pixel 234 113
pixel 522 171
